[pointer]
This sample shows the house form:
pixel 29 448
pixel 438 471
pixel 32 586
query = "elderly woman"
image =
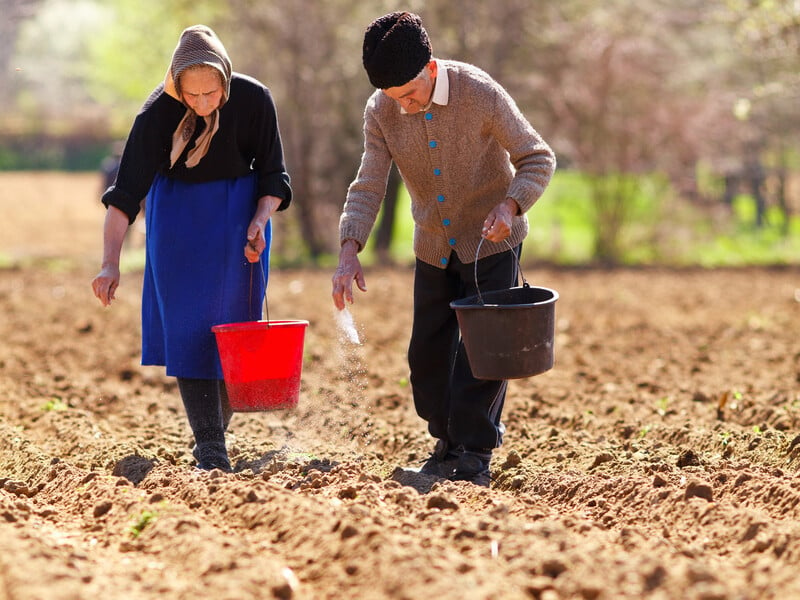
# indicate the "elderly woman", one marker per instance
pixel 206 151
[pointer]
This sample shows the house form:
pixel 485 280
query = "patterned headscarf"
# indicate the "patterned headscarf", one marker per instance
pixel 198 45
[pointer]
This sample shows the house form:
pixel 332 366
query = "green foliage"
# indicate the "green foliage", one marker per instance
pixel 561 229
pixel 567 219
pixel 564 222
pixel 598 81
pixel 124 66
pixel 51 154
pixel 401 249
pixel 739 242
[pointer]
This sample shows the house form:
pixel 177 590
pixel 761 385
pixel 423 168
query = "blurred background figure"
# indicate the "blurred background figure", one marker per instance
pixel 109 167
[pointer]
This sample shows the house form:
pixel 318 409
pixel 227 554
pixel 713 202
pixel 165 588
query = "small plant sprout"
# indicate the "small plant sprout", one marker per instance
pixel 644 431
pixel 141 522
pixel 757 429
pixel 725 438
pixel 662 406
pixel 54 404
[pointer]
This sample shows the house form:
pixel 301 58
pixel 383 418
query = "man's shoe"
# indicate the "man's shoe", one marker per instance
pixel 473 466
pixel 442 461
pixel 212 455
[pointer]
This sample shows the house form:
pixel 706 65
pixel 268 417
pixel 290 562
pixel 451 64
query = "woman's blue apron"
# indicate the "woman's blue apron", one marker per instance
pixel 196 274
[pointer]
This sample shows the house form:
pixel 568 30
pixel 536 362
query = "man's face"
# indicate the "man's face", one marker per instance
pixel 416 94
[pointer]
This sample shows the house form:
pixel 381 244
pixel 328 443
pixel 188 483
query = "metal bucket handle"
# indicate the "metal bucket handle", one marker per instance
pixel 250 296
pixel 516 259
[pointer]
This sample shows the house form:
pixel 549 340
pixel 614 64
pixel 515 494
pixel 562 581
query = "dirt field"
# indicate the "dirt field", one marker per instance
pixel 658 459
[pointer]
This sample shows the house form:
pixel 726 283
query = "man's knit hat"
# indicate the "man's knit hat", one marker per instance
pixel 396 47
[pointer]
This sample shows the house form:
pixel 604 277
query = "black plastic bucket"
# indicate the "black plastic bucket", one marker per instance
pixel 508 334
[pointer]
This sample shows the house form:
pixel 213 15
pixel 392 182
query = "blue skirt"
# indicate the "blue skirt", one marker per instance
pixel 196 275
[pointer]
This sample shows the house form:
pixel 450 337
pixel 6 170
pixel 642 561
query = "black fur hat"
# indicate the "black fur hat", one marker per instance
pixel 396 47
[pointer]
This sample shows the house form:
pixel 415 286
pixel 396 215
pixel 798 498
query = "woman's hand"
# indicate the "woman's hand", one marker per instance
pixel 105 283
pixel 255 243
pixel 256 240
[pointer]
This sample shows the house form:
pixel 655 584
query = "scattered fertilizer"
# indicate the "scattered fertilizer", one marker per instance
pixel 347 328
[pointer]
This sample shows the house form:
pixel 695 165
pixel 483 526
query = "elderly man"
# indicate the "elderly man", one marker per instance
pixel 473 166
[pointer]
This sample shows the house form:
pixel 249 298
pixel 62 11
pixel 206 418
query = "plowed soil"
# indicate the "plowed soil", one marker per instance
pixel 658 458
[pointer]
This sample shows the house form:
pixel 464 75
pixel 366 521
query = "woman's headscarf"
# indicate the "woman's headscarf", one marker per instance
pixel 198 45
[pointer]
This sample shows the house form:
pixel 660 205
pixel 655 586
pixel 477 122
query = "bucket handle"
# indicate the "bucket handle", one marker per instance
pixel 250 295
pixel 477 253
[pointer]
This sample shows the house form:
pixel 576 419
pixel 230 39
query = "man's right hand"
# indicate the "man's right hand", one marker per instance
pixel 349 269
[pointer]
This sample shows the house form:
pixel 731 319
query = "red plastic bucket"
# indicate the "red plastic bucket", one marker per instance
pixel 261 362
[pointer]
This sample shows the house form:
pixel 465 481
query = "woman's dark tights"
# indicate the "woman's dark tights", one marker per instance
pixel 208 411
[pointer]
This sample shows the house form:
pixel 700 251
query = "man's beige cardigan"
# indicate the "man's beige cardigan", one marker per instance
pixel 458 161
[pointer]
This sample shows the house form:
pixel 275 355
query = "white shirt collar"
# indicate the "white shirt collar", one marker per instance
pixel 441 88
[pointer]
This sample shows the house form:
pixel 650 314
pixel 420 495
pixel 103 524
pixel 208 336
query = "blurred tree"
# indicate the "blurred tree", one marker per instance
pixel 766 35
pixel 14 12
pixel 51 50
pixel 309 54
pixel 619 89
pixel 384 231
pixel 127 57
pixel 622 98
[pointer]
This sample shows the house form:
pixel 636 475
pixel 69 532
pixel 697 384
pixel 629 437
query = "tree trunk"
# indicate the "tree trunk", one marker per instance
pixel 385 231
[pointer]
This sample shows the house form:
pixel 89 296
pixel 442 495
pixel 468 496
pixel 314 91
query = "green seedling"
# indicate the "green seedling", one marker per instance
pixel 725 438
pixel 662 406
pixel 54 404
pixel 757 429
pixel 644 431
pixel 301 456
pixel 141 522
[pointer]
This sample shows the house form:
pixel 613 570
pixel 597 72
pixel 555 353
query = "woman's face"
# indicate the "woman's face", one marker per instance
pixel 201 89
